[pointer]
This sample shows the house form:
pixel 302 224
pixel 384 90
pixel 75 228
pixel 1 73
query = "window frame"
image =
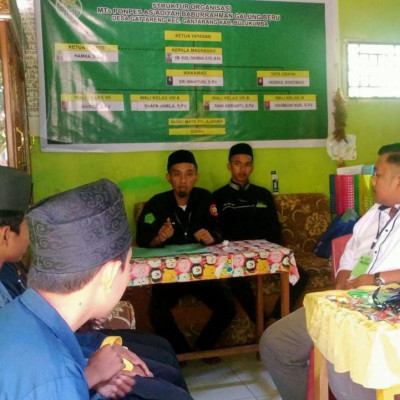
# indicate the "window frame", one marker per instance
pixel 345 78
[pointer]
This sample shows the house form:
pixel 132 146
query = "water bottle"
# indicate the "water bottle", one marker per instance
pixel 275 183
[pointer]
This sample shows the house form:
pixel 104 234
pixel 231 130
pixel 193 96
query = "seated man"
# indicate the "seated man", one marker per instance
pixel 103 371
pixel 15 192
pixel 16 187
pixel 286 345
pixel 168 375
pixel 248 211
pixel 186 214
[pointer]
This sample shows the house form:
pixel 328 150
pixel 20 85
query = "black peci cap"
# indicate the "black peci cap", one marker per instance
pixel 181 156
pixel 241 148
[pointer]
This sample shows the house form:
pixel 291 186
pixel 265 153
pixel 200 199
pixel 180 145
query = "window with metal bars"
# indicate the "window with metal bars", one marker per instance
pixel 373 70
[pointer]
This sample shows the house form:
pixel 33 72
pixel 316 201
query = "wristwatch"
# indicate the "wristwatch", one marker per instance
pixel 378 280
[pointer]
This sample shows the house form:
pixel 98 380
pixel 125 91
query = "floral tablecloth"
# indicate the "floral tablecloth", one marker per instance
pixel 225 260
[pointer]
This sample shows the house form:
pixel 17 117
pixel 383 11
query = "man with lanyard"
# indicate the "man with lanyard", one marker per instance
pixel 101 370
pixel 186 214
pixel 371 257
pixel 248 211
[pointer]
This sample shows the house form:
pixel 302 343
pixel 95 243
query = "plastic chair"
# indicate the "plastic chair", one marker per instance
pixel 338 245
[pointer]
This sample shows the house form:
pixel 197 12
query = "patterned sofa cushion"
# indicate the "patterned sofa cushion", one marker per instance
pixel 122 316
pixel 319 270
pixel 304 218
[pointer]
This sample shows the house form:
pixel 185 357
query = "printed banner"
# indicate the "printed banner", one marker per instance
pixel 120 75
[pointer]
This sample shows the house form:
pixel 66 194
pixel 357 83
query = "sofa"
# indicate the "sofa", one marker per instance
pixel 304 218
pixel 122 316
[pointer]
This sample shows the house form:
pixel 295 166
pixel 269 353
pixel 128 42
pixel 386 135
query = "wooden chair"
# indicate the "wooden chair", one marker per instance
pixel 338 245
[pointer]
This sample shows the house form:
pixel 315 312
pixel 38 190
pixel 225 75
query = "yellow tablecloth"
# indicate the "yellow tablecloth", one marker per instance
pixel 369 350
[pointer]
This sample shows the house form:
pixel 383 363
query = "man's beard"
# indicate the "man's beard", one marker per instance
pixel 182 193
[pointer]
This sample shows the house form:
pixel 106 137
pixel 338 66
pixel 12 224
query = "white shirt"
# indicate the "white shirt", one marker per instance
pixel 386 253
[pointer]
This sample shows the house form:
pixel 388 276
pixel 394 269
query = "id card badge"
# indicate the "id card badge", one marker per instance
pixel 361 267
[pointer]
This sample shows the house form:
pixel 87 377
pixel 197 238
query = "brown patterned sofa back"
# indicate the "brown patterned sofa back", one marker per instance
pixel 122 316
pixel 304 218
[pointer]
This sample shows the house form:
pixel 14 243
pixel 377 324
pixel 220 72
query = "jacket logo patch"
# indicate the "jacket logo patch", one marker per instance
pixel 149 218
pixel 213 210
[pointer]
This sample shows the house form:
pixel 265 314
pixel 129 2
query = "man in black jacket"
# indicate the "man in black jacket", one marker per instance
pixel 185 214
pixel 248 211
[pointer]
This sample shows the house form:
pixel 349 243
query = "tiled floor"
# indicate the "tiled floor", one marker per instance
pixel 239 377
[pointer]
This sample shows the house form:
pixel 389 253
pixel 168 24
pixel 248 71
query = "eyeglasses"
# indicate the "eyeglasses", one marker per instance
pixel 393 302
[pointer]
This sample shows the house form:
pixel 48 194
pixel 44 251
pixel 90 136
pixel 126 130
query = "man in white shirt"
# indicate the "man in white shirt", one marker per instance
pixel 374 252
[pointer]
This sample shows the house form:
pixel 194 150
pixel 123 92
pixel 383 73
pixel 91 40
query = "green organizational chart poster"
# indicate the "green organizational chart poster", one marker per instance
pixel 128 75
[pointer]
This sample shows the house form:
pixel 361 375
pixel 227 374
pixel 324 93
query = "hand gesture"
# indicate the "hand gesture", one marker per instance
pixel 103 364
pixel 203 236
pixel 139 366
pixel 118 386
pixel 166 231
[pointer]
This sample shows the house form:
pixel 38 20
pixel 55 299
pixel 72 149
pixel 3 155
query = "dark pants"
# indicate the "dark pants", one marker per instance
pixel 167 383
pixel 243 292
pixel 146 345
pixel 158 354
pixel 167 374
pixel 211 293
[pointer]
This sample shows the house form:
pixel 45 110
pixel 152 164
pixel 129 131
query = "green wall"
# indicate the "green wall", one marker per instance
pixel 142 174
pixel 374 122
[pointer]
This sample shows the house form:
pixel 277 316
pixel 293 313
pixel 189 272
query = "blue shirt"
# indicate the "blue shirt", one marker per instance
pixel 11 286
pixel 5 297
pixel 40 357
pixel 12 278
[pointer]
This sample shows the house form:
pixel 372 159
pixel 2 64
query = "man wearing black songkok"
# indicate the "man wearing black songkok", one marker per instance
pixel 185 214
pixel 248 212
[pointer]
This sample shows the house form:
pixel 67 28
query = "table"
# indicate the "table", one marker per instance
pixel 344 334
pixel 226 260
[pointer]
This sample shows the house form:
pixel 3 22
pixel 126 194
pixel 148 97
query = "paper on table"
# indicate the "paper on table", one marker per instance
pixel 173 250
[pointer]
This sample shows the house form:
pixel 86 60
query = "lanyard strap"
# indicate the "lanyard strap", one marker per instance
pixel 379 232
pixel 185 230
